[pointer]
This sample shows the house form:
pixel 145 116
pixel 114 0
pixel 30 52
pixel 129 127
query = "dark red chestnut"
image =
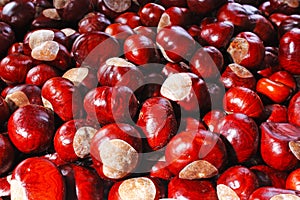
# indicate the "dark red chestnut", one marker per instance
pixel 144 187
pixel 278 145
pixel 73 10
pixel 149 32
pixel 55 159
pixel 204 7
pixel 237 75
pixel 119 31
pixel 207 62
pixel 191 189
pixel 242 133
pixel 93 21
pixel 157 121
pixel 7 154
pixel 277 18
pixel 61 96
pixel 7 38
pixel 16 47
pixel 285 78
pixel 94 48
pixel 119 104
pixel 175 16
pixel 72 139
pixel 195 154
pixel 34 135
pixel 48 18
pixel 43 182
pixel 288 54
pixel 294 109
pixel 247 49
pixel 286 7
pixel 276 113
pixel 14 67
pixel 39 74
pixel 170 3
pixel 175 43
pixel 287 24
pixel 150 14
pixel 160 170
pixel 139 49
pixel 217 34
pixel 243 100
pixel 173 68
pixel 82 183
pixel 293 180
pixel 212 119
pixel 240 180
pixel 115 150
pixel 129 18
pixel 272 193
pixel 71 36
pixel 112 8
pixel 4 110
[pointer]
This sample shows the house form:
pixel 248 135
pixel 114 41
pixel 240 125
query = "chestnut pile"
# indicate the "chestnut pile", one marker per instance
pixel 149 100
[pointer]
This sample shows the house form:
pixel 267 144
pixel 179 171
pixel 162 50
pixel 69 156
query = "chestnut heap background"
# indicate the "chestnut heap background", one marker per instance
pixel 144 99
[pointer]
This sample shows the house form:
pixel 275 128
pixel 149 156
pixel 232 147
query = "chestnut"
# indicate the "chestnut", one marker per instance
pixel 119 31
pixel 293 109
pixel 39 74
pixel 175 16
pixel 32 136
pixel 4 110
pixel 270 193
pixel 288 23
pixel 286 7
pixel 92 49
pixel 170 3
pixel 175 43
pixel 237 75
pixel 129 18
pixel 279 145
pixel 48 18
pixel 242 133
pixel 243 100
pixel 139 49
pixel 187 89
pixel 247 49
pixel 217 34
pixel 16 47
pixel 173 68
pixel 119 72
pixel 277 18
pixel 115 150
pixel 144 187
pixel 195 154
pixel 43 182
pixel 93 21
pixel 112 8
pixel 240 180
pixel 14 67
pixel 8 154
pixel 149 32
pixel 285 78
pixel 82 182
pixel 61 96
pixel 276 113
pixel 207 62
pixel 150 14
pixel 157 121
pixel 191 189
pixel 7 38
pixel 72 139
pixel 55 159
pixel 71 36
pixel 160 170
pixel 292 181
pixel 119 104
pixel 204 7
pixel 212 119
pixel 288 54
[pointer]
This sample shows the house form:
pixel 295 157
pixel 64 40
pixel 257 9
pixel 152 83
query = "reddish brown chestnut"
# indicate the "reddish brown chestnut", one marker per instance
pixel 212 119
pixel 93 21
pixel 119 104
pixel 276 113
pixel 39 74
pixel 175 43
pixel 7 38
pixel 242 133
pixel 204 7
pixel 72 140
pixel 158 122
pixel 277 148
pixel 195 154
pixel 191 189
pixel 43 182
pixel 139 187
pixel 247 49
pixel 174 16
pixel 237 75
pixel 48 18
pixel 150 14
pixel 293 109
pixel 243 100
pixel 7 154
pixel 129 18
pixel 61 96
pixel 239 179
pixel 115 150
pixel 293 180
pixel 119 31
pixel 288 56
pixel 285 78
pixel 34 135
pixel 73 10
pixel 4 110
pixel 14 67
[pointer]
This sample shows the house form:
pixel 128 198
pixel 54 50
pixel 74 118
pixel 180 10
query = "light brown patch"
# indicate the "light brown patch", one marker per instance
pixel 76 75
pixel 226 193
pixel 292 3
pixel 60 4
pixel 47 51
pixel 285 197
pixel 197 170
pixel 120 62
pixel 295 148
pixel 51 13
pixel 39 37
pixel 17 99
pixel 163 22
pixel 141 188
pixel 118 5
pixel 47 104
pixel 118 158
pixel 177 86
pixel 82 141
pixel 68 31
pixel 17 190
pixel 238 49
pixel 240 71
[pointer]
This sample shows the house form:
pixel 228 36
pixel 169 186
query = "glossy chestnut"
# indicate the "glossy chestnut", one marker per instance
pixel 292 181
pixel 32 136
pixel 204 7
pixel 150 14
pixel 7 38
pixel 39 74
pixel 212 119
pixel 93 21
pixel 129 18
pixel 119 31
pixel 48 18
pixel 71 11
pixel 276 113
pixel 175 16
pixel 267 193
